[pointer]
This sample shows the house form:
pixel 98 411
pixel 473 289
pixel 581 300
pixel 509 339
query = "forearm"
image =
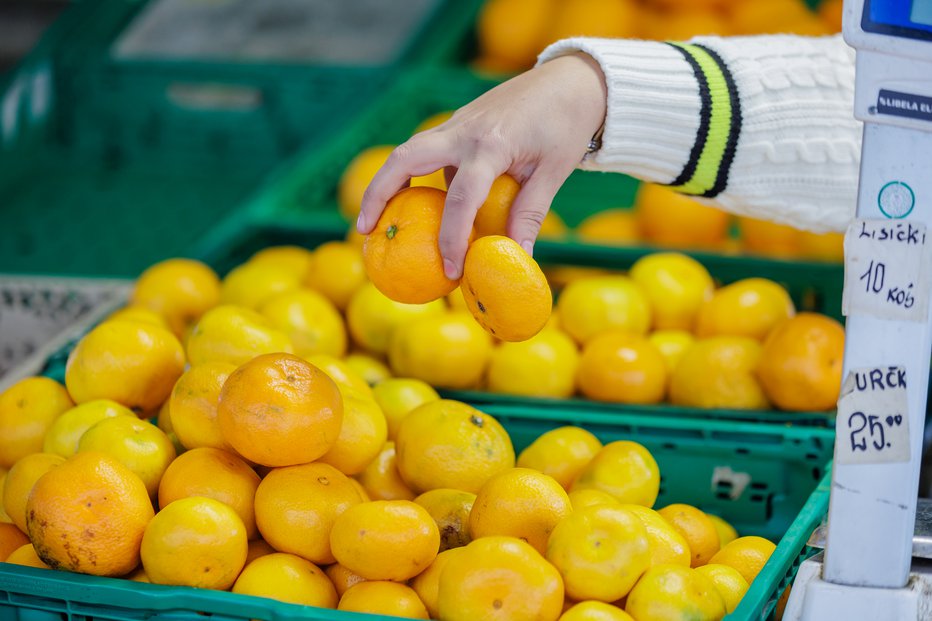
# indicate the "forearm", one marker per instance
pixel 760 126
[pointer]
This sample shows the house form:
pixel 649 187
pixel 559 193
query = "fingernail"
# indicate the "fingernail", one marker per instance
pixel 528 247
pixel 361 224
pixel 449 268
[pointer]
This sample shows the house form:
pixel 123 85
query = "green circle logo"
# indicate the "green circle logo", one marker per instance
pixel 896 200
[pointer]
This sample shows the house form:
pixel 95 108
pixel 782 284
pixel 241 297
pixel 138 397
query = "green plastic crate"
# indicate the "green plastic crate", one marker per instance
pixel 300 198
pixel 108 164
pixel 764 479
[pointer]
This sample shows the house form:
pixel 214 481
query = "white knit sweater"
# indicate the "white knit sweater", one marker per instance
pixel 791 144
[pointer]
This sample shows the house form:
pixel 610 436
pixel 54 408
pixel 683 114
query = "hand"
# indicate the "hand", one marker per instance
pixel 535 127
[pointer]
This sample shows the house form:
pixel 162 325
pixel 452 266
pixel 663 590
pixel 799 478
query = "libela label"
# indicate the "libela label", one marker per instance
pixel 872 425
pixel 887 270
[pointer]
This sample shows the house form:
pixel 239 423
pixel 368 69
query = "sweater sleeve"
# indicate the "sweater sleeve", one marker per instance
pixel 758 126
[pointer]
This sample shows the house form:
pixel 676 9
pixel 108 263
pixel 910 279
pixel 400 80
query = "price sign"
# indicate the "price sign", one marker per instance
pixel 887 270
pixel 872 425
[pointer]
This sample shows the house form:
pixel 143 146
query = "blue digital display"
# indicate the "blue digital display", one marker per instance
pixel 911 19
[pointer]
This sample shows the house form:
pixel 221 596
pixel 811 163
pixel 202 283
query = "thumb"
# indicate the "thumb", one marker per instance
pixel 531 205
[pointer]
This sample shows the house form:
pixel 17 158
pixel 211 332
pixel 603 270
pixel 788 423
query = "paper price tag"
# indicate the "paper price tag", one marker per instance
pixel 887 270
pixel 872 425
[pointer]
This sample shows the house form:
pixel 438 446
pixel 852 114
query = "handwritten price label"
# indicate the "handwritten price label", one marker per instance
pixel 887 270
pixel 872 425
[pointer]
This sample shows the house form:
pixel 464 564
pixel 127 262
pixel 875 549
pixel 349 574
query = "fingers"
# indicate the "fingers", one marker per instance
pixel 421 155
pixel 468 190
pixel 531 205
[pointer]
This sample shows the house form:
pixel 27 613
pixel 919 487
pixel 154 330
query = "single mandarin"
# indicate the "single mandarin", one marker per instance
pixel 751 307
pixel 20 480
pixel 726 532
pixel 197 542
pixel 600 551
pixel 372 317
pixel 398 396
pixel 545 365
pixel 595 611
pixel 28 409
pixel 512 32
pixel 234 335
pixel 194 402
pixel 590 306
pixel 311 321
pixel 675 592
pixel 250 284
pixel 561 453
pixel 730 583
pixel 719 372
pixel 746 554
pixel 427 583
pixel 593 18
pixel 11 539
pixel 337 271
pixel 287 578
pixel 696 527
pixel 180 290
pixel 297 505
pixel 621 367
pixel 383 597
pixel 610 227
pixel 342 578
pixel 591 497
pixel 380 478
pixel 385 539
pixel 402 255
pixel 63 436
pixel 667 545
pixel 450 509
pixel 362 435
pixel 521 503
pixel 88 515
pixel 448 444
pixel 341 373
pixel 769 239
pixel 492 217
pixel 676 286
pixel 828 247
pixel 368 367
pixel 674 220
pixel 294 259
pixel 624 469
pixel 141 314
pixel 27 557
pixel 278 410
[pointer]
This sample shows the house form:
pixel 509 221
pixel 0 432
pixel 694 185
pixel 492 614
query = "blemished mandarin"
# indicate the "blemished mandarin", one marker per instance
pixel 505 289
pixel 610 227
pixel 446 351
pixel 385 539
pixel 730 583
pixel 746 554
pixel 402 255
pixel 193 405
pixel 545 365
pixel 719 372
pixel 234 335
pixel 453 445
pixel 678 221
pixel 197 542
pixel 600 551
pixel 696 527
pixel 751 307
pixel 521 503
pixel 622 367
pixel 213 473
pixel 590 306
pixel 342 578
pixel 356 179
pixel 492 217
pixel 180 290
pixel 398 396
pixel 28 409
pixel 63 436
pixel 800 367
pixel 667 545
pixel 337 271
pixel 363 433
pixel 499 578
pixel 88 515
pixel 675 592
pixel 450 509
pixel 296 507
pixel 676 286
pixel 294 259
pixel 427 583
pixel 595 611
pixel 624 469
pixel 250 284
pixel 310 320
pixel 137 444
pixel 380 478
pixel 278 410
pixel 287 578
pixel 372 317
pixel 561 453
pixel 20 480
pixel 383 597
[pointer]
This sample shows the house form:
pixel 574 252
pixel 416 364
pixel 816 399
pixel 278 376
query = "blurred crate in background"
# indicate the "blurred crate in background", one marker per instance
pixel 115 153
